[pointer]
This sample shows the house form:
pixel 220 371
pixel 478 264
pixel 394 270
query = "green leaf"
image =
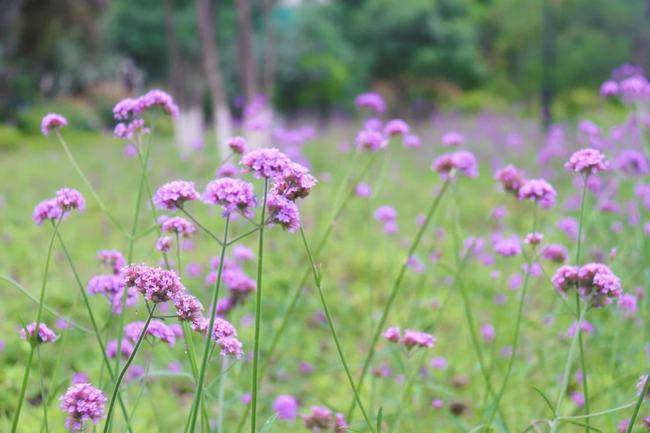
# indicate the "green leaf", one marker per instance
pixel 266 428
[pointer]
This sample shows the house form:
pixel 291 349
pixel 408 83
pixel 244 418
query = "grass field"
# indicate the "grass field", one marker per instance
pixel 455 286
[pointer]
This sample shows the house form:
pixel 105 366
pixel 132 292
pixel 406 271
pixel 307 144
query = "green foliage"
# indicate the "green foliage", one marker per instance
pixel 10 136
pixel 78 112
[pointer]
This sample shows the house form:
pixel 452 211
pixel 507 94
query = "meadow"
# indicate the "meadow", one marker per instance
pixel 385 240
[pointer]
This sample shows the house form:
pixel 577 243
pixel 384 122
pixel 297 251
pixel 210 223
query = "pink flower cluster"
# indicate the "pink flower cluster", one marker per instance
pixel 82 402
pixel 52 121
pixel 233 195
pixel 461 161
pixel 594 281
pixel 155 284
pixel 587 161
pixel 156 329
pixel 54 209
pixel 372 101
pixel 172 195
pixel 321 419
pixel 410 338
pixel 44 335
pixel 177 225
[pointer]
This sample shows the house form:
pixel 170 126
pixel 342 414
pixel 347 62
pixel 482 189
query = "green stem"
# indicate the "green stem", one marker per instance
pixel 93 321
pixel 202 227
pixel 33 340
pixel 44 399
pixel 330 322
pixel 395 291
pixel 120 377
pixel 208 337
pixel 579 331
pixel 644 392
pixel 79 171
pixel 258 313
pixel 515 342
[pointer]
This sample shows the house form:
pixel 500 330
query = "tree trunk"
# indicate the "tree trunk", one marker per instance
pixel 268 79
pixel 548 62
pixel 220 110
pixel 247 60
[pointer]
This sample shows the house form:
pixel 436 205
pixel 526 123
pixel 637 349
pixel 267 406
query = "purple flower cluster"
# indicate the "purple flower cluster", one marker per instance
pixel 267 163
pixel 594 281
pixel 52 121
pixel 283 212
pixel 410 338
pixel 233 195
pixel 112 259
pixel 286 407
pixel 295 182
pixel 371 139
pixel 128 108
pixel 511 178
pixel 387 215
pixel 238 145
pixel 225 335
pixel 44 335
pixel 539 191
pixel 587 161
pixel 452 139
pixel 172 195
pixel 126 349
pixel 178 225
pixel 507 247
pixel 320 419
pixel 54 209
pixel 82 402
pixel 372 101
pixel 396 127
pixel 461 161
pixel 155 284
pixel 156 329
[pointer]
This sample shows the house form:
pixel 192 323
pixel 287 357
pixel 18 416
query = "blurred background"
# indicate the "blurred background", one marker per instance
pixel 310 58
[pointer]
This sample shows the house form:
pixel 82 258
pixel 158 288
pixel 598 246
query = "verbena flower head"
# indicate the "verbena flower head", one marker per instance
pixel 393 334
pixel 44 335
pixel 396 127
pixel 386 214
pixel 295 182
pixel 462 162
pixel 452 138
pixel 227 170
pixel 609 88
pixel 188 308
pixel 126 130
pixel 105 284
pixel 627 303
pixel 112 259
pixel 286 407
pixel 172 195
pixel 587 161
pixel 155 284
pixel 534 238
pixel 372 101
pixel 47 210
pixel 594 281
pixel 225 335
pixel 126 349
pixel 179 226
pixel 70 199
pixel 52 121
pixel 233 195
pixel 370 139
pixel 363 190
pixel 242 253
pixel 412 339
pixel 82 402
pixel 539 191
pixel 157 98
pixel 511 178
pixel 156 329
pixel 319 419
pixel 632 162
pixel 267 163
pixel 164 244
pixel 283 212
pixel 507 247
pixel 238 145
pixel 488 332
pixel 412 141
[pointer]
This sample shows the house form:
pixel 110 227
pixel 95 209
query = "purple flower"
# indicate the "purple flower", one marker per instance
pixel 52 121
pixel 372 101
pixel 45 334
pixel 586 328
pixel 593 280
pixel 155 284
pixel 319 419
pixel 105 284
pixel 233 195
pixel 534 238
pixel 461 161
pixel 179 226
pixel 225 335
pixel 242 253
pixel 238 145
pixel 569 226
pixel 540 191
pixel 47 210
pixel 413 338
pixel 632 162
pixel 393 334
pixel 627 303
pixel 587 161
pixel 227 170
pixel 295 182
pixel 488 332
pixel 396 127
pixel 126 350
pixel 156 329
pixel 82 402
pixel 112 259
pixel 173 195
pixel 508 247
pixel 371 140
pixel 188 308
pixel 126 130
pixel 439 363
pixel 452 138
pixel 286 407
pixel 267 163
pixel 283 212
pixel 609 88
pixel 555 253
pixel 70 199
pixel 386 214
pixel 511 178
pixel 164 244
pixel 412 141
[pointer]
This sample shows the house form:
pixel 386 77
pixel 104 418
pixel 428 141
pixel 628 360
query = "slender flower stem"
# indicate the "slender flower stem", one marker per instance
pixel 395 291
pixel 242 236
pixel 515 342
pixel 258 313
pixel 202 227
pixel 33 340
pixel 93 321
pixel 44 399
pixel 579 331
pixel 330 322
pixel 644 392
pixel 295 296
pixel 208 337
pixel 79 171
pixel 120 377
pixel 178 255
